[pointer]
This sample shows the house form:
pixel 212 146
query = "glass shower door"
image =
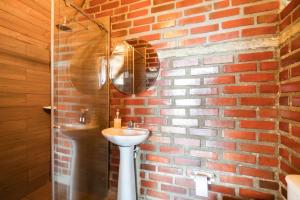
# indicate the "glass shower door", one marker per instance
pixel 81 99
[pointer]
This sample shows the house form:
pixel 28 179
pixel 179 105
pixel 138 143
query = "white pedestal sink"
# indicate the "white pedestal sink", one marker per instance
pixel 126 139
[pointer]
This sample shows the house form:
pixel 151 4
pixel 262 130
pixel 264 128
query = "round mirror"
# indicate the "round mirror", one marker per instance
pixel 134 66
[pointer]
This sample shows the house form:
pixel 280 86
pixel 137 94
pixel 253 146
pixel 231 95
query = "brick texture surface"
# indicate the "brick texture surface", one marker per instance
pixel 215 112
pixel 289 88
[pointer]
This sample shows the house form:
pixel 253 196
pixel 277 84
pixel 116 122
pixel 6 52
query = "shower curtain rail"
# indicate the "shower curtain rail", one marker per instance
pixel 68 3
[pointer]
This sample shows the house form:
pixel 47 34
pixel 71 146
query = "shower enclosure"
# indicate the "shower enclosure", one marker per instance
pixel 80 100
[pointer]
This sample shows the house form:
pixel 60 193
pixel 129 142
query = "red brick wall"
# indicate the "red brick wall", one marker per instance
pixel 208 111
pixel 289 118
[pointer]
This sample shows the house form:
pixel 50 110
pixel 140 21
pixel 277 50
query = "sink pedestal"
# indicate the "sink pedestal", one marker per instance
pixel 126 186
pixel 126 139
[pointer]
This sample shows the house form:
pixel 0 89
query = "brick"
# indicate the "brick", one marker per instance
pixel 110 5
pixel 291 115
pixel 295 71
pixel 169 16
pixel 221 101
pixel 224 36
pixel 268 113
pixel 185 182
pixel 255 56
pixel 170 170
pixel 222 189
pixel 221 4
pixel 186 161
pixel 192 20
pixel 121 25
pixel 242 135
pixel 159 195
pixel 185 3
pixel 171 150
pixel 224 13
pixel 143 21
pixel 175 189
pixel 140 4
pixel 269 18
pixel 185 122
pixel 220 80
pixel 266 125
pixel 175 33
pixel 256 172
pixel 158 159
pixel 187 142
pixel 143 111
pixel 242 2
pixel 193 41
pixel 163 25
pixel 175 112
pixel 173 130
pixel 239 157
pixel 204 154
pixel 244 67
pixel 272 65
pixel 296 131
pixel 149 184
pixel 240 89
pixel 148 147
pixel 263 7
pixel 202 132
pixel 268 161
pixel 188 102
pixel 159 101
pixel 197 10
pixel 295 44
pixel 257 77
pixel 236 180
pixel 269 88
pixel 96 2
pixel 240 113
pixel 134 101
pixel 220 123
pixel 237 23
pixel 296 101
pixel 204 70
pixel 255 194
pixel 269 185
pixel 257 148
pixel 150 37
pixel 257 101
pixel 138 13
pixel 204 91
pixel 191 61
pixel 203 112
pixel 205 29
pixel 291 59
pixel 249 32
pixel 160 178
pixel 221 145
pixel 162 8
pixel 139 29
pixel 290 87
pixel 220 59
pixel 157 2
pixel 155 120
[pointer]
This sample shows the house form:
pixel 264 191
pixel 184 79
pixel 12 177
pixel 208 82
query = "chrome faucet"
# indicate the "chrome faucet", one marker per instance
pixel 83 116
pixel 131 124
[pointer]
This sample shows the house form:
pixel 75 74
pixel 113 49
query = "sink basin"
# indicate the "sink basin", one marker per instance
pixel 126 137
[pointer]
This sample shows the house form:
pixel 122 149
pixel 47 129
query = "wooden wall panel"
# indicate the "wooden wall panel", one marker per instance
pixel 25 149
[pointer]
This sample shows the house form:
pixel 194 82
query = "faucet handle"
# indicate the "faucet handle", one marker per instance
pixel 130 124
